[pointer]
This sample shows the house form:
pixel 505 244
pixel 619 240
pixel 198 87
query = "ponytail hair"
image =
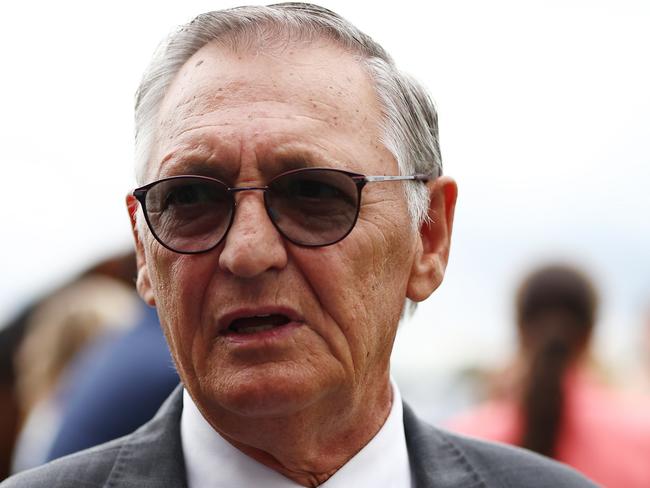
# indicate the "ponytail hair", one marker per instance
pixel 556 308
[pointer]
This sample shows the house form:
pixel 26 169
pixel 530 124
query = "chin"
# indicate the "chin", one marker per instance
pixel 267 392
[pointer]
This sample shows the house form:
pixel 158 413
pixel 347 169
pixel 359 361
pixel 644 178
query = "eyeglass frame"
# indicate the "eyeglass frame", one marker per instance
pixel 359 179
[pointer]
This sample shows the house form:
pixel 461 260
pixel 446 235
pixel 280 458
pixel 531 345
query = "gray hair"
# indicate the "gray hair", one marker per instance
pixel 410 125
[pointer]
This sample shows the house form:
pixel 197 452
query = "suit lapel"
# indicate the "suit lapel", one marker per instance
pixel 153 456
pixel 435 462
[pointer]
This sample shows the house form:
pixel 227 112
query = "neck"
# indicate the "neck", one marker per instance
pixel 308 446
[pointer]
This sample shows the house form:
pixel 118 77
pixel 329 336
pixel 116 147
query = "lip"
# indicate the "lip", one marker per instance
pixel 224 321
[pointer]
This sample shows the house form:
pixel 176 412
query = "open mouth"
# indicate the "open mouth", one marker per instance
pixel 257 323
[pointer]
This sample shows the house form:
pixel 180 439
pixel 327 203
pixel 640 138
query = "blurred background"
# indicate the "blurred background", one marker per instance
pixel 544 121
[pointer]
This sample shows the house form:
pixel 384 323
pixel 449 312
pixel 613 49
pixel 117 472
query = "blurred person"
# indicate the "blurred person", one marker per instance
pixel 120 267
pixel 117 387
pixel 292 201
pixel 57 330
pixel 119 382
pixel 550 401
pixel 113 381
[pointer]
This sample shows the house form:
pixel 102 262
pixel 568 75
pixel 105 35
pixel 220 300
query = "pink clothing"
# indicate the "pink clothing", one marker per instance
pixel 605 434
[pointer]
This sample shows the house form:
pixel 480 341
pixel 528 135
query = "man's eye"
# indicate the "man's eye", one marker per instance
pixel 314 189
pixel 186 195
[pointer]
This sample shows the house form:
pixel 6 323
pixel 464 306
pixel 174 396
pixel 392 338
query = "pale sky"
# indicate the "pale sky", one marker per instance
pixel 544 117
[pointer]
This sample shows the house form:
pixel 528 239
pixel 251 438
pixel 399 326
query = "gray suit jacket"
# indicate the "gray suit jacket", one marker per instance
pixel 152 457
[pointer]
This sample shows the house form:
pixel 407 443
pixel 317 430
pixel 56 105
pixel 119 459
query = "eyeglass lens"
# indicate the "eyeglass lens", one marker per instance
pixel 313 207
pixel 189 214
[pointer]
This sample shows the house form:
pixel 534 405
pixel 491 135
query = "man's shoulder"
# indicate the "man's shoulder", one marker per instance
pixel 441 458
pixel 505 465
pixel 85 469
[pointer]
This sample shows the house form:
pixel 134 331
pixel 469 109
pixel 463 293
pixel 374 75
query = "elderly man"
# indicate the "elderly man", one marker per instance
pixel 292 202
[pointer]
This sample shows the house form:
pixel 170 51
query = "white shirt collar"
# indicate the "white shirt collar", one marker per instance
pixel 212 462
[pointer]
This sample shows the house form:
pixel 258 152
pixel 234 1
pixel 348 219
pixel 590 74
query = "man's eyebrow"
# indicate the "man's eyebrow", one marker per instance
pixel 200 167
pixel 288 163
pixel 306 158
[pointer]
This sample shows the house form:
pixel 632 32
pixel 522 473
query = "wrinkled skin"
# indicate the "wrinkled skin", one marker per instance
pixel 303 401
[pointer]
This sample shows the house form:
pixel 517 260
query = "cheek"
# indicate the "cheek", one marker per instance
pixel 361 285
pixel 179 283
pixel 383 255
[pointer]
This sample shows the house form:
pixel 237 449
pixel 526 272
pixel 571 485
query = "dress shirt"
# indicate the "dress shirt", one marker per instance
pixel 212 462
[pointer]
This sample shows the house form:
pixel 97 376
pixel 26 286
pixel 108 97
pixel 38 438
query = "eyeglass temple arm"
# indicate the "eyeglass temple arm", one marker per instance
pixel 397 178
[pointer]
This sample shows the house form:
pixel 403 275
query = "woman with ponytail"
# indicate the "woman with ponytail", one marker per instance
pixel 552 404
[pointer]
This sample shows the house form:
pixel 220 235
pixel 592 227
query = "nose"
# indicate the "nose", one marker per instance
pixel 253 245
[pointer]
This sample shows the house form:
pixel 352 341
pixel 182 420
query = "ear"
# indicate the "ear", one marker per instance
pixel 432 254
pixel 143 283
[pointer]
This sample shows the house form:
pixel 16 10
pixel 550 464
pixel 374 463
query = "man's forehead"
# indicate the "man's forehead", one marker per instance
pixel 316 74
pixel 314 92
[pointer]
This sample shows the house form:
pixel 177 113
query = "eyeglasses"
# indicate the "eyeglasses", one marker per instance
pixel 310 207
